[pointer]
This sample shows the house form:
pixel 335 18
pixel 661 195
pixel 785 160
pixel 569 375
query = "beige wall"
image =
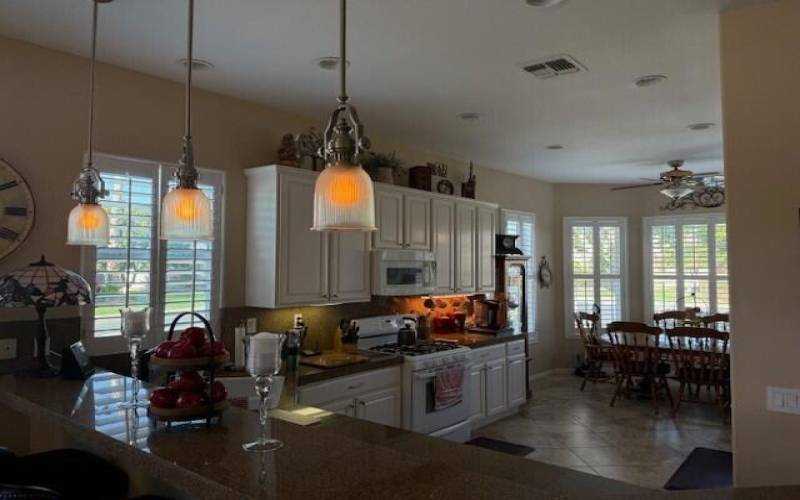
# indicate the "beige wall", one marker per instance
pixel 761 109
pixel 43 95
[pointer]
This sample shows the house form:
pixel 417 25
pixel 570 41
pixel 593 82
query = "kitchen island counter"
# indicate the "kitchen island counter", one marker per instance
pixel 338 458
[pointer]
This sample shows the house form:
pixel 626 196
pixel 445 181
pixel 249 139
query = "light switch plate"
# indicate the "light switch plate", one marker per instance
pixel 251 324
pixel 783 400
pixel 8 348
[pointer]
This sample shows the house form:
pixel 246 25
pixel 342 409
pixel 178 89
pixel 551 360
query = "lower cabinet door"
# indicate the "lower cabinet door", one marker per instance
pixel 495 387
pixel 516 379
pixel 380 407
pixel 342 407
pixel 477 392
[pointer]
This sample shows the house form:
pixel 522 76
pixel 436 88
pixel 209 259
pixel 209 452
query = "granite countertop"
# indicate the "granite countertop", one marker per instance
pixel 375 360
pixel 475 340
pixel 339 458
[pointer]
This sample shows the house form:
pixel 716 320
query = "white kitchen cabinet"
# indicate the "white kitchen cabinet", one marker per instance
pixel 403 219
pixel 443 239
pixel 345 407
pixel 287 263
pixel 515 370
pixel 381 407
pixel 495 387
pixel 477 391
pixel 486 228
pixel 465 270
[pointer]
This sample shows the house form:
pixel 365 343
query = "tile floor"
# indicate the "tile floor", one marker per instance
pixel 579 430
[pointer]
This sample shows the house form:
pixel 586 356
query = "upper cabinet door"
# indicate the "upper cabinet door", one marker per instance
pixel 302 257
pixel 349 264
pixel 444 247
pixel 485 239
pixel 417 222
pixel 389 219
pixel 465 248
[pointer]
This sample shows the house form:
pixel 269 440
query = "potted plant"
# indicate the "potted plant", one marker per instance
pixel 382 167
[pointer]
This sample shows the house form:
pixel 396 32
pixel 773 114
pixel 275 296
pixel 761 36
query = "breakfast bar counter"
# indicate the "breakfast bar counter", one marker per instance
pixel 339 458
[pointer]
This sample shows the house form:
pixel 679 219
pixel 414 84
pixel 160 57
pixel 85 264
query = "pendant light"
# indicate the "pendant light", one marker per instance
pixel 185 210
pixel 343 196
pixel 87 223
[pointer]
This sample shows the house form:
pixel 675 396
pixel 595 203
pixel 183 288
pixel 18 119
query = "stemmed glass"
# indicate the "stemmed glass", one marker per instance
pixel 264 362
pixel 135 327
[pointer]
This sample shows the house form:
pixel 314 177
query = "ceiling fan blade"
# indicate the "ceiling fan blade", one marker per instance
pixel 648 179
pixel 706 174
pixel 636 186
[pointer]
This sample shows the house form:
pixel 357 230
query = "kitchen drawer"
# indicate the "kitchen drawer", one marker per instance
pixel 485 354
pixel 345 387
pixel 516 347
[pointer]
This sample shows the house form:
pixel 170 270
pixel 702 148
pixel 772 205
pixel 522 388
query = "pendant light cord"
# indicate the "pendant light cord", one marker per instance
pixel 189 43
pixel 90 148
pixel 343 51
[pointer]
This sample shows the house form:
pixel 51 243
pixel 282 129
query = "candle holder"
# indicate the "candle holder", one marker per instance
pixel 135 327
pixel 263 363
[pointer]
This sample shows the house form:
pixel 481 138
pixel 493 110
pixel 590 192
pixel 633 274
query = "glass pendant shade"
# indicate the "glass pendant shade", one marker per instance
pixel 87 225
pixel 186 215
pixel 677 192
pixel 344 199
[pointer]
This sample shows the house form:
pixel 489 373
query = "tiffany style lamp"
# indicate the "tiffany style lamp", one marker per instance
pixel 43 285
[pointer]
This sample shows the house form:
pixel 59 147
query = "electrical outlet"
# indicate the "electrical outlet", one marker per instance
pixel 8 348
pixel 251 324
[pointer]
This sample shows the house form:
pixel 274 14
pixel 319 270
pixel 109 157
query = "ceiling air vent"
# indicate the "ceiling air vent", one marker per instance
pixel 553 66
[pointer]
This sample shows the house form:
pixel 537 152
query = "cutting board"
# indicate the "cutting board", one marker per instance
pixel 333 360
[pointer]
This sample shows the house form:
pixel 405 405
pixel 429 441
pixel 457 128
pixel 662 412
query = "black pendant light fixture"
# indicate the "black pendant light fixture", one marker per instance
pixel 343 195
pixel 186 211
pixel 87 223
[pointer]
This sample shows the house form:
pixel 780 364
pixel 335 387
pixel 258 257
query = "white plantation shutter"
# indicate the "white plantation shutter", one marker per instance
pixel 135 269
pixel 595 268
pixel 523 224
pixel 686 263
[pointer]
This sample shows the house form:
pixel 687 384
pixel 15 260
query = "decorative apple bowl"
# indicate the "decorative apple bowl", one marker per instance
pixel 191 360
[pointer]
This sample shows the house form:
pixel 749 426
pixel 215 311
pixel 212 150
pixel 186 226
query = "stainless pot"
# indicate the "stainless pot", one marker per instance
pixel 407 335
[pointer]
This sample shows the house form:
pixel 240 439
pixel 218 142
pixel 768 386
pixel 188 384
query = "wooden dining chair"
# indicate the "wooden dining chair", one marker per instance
pixel 671 319
pixel 637 356
pixel 596 354
pixel 700 356
pixel 718 321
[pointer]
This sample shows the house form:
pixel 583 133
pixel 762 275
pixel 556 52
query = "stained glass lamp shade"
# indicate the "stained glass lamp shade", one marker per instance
pixel 43 285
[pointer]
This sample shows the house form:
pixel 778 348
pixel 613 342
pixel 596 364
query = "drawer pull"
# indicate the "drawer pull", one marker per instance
pixel 355 386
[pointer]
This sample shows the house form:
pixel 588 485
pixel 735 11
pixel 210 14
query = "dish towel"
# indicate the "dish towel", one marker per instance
pixel 448 387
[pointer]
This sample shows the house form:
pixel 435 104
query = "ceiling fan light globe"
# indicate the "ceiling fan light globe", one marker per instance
pixel 677 192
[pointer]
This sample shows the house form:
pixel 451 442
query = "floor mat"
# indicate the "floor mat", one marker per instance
pixel 501 446
pixel 703 468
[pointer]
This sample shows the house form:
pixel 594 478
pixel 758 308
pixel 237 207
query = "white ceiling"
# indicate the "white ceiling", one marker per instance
pixel 416 64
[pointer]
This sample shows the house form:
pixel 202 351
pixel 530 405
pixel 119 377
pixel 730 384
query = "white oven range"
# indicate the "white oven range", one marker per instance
pixel 422 362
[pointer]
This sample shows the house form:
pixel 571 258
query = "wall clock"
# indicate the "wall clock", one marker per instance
pixel 16 209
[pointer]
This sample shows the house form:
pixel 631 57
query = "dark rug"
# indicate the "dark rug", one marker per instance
pixel 703 468
pixel 501 446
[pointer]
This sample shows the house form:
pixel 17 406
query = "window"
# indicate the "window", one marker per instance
pixel 686 263
pixel 595 268
pixel 523 224
pixel 137 269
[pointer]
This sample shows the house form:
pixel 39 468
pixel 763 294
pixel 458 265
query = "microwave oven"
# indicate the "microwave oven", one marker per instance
pixel 403 272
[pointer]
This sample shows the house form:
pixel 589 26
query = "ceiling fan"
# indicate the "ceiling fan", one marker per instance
pixel 676 183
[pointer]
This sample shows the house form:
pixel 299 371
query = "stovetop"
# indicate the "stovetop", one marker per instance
pixel 421 349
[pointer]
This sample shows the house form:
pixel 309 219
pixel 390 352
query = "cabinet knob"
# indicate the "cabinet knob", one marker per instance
pixel 335 296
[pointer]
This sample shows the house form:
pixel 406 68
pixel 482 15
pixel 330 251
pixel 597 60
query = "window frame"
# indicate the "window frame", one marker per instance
pixel 570 330
pixel 533 290
pixel 159 172
pixel 680 220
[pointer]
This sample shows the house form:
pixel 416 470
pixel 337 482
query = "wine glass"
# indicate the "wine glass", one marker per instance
pixel 135 327
pixel 264 362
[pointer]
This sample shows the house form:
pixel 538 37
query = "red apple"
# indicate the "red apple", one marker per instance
pixel 188 382
pixel 189 400
pixel 195 336
pixel 163 348
pixel 218 392
pixel 163 398
pixel 182 350
pixel 218 348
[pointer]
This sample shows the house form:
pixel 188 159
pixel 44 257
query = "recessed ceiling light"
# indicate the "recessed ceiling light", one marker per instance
pixel 543 3
pixel 650 80
pixel 329 63
pixel 555 147
pixel 469 116
pixel 701 126
pixel 197 64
